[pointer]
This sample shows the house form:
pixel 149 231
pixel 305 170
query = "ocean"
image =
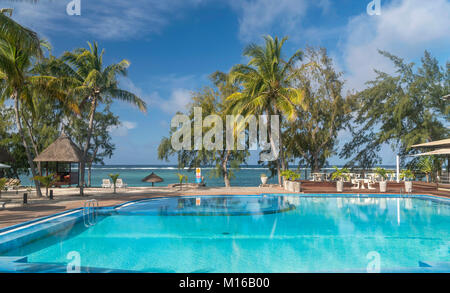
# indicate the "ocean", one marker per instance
pixel 133 174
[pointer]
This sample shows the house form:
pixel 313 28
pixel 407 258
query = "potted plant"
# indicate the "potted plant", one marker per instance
pixel 408 176
pixel 182 177
pixel 264 179
pixel 295 185
pixel 114 178
pixel 46 181
pixel 286 175
pixel 340 175
pixel 290 182
pixel 383 174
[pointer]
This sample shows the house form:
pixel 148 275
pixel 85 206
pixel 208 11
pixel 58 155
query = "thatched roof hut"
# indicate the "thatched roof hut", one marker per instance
pixel 62 150
pixel 152 178
pixel 5 156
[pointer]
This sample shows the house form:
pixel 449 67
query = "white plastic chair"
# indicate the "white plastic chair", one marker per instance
pixel 106 183
pixel 120 184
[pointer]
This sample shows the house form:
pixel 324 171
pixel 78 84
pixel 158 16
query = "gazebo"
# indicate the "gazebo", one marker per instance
pixel 438 148
pixel 153 178
pixel 64 152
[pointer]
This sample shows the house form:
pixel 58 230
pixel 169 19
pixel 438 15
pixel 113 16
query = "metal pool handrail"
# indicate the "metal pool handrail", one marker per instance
pixel 90 212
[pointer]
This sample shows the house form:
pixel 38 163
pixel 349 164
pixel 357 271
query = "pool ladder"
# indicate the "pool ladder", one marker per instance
pixel 90 212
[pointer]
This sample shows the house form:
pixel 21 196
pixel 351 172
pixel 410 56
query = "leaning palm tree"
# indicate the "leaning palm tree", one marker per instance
pixel 266 87
pixel 18 47
pixel 95 84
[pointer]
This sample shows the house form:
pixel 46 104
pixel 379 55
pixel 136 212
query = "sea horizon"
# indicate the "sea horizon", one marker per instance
pixel 132 174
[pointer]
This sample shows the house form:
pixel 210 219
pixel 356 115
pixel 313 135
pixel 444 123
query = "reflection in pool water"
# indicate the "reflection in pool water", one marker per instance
pixel 209 206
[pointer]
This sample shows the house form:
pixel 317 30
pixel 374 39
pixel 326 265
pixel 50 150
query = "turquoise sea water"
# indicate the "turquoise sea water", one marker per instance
pixel 274 234
pixel 133 174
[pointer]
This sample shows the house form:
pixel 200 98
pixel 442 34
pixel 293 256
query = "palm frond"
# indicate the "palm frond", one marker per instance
pixel 126 96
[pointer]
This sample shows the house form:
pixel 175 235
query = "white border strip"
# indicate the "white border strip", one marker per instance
pixel 139 201
pixel 38 222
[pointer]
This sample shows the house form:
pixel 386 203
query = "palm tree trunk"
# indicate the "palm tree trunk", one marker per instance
pixel 282 161
pixel 272 145
pixel 16 96
pixel 279 173
pixel 86 148
pixel 35 148
pixel 226 177
pixel 94 154
pixel 282 158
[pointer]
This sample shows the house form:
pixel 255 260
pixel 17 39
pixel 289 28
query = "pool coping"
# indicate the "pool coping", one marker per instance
pixel 29 231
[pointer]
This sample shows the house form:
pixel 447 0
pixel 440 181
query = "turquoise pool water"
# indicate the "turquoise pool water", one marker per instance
pixel 255 234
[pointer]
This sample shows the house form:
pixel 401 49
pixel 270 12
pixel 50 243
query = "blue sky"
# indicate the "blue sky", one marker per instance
pixel 174 45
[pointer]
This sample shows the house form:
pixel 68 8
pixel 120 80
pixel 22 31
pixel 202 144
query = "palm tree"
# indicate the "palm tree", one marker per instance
pixel 266 87
pixel 426 166
pixel 11 30
pixel 47 92
pixel 47 181
pixel 94 84
pixel 18 47
pixel 114 178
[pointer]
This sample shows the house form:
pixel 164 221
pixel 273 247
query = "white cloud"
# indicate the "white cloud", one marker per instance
pixel 123 128
pixel 177 101
pixel 257 18
pixel 170 93
pixel 405 28
pixel 103 19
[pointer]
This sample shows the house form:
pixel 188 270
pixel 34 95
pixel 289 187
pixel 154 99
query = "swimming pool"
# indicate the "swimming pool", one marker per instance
pixel 268 233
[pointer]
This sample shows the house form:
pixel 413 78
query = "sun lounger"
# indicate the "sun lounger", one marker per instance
pixel 120 184
pixel 355 184
pixel 369 184
pixel 12 184
pixel 3 202
pixel 106 183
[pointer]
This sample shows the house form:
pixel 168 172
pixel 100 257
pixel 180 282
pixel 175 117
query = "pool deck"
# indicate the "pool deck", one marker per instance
pixel 68 198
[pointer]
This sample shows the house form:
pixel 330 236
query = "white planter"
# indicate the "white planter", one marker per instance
pixel 285 183
pixel 408 186
pixel 297 186
pixel 264 180
pixel 383 185
pixel 290 186
pixel 340 186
